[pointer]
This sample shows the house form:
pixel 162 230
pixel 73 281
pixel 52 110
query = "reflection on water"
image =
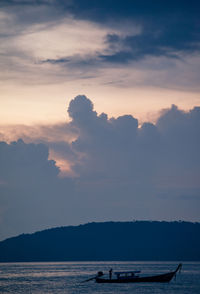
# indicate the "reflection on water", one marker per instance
pixel 66 277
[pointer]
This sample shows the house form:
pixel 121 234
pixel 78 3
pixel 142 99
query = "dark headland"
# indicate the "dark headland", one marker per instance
pixel 137 240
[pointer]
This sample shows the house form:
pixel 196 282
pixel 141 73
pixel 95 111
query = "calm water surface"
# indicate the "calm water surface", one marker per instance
pixel 66 277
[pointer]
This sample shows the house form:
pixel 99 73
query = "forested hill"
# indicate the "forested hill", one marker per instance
pixel 138 240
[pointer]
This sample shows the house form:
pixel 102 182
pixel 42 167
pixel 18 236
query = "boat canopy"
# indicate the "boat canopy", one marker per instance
pixel 129 272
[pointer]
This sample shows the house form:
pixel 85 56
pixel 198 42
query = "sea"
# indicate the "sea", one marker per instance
pixel 69 277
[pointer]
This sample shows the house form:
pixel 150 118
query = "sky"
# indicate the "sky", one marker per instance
pixel 99 112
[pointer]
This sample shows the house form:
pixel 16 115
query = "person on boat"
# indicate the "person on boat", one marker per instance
pixel 110 273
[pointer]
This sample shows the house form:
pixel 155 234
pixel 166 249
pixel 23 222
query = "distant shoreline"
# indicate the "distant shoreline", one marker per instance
pixel 157 241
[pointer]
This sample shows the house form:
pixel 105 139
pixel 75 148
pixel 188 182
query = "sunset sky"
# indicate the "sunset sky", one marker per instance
pixel 127 147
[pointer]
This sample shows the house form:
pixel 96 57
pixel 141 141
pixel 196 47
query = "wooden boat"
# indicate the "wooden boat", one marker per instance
pixel 134 277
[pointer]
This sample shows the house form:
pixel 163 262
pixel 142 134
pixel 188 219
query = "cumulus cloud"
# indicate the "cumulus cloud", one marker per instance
pixel 147 162
pixel 174 138
pixel 56 137
pixel 118 170
pixel 32 194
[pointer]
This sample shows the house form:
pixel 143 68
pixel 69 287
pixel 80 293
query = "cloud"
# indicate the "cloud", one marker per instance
pixel 100 37
pixel 118 170
pixel 150 147
pixel 32 194
pixel 181 136
pixel 166 28
pixel 56 137
pixel 127 165
pixel 38 133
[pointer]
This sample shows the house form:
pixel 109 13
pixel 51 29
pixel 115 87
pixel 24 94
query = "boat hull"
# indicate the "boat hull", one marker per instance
pixel 159 279
pixel 163 278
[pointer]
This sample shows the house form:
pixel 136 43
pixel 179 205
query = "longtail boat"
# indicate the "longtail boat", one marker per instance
pixel 134 277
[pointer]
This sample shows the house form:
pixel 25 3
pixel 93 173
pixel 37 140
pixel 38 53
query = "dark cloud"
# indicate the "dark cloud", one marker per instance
pixel 82 66
pixel 167 28
pixel 169 40
pixel 120 171
pixel 55 61
pixel 137 36
pixel 101 11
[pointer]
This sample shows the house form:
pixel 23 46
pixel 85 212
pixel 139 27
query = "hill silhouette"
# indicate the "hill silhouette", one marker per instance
pixel 137 240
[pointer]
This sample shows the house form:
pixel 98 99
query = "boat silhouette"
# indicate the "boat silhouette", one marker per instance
pixel 134 277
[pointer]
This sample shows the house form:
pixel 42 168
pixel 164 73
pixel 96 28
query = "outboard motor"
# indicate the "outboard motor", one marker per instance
pixel 100 274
